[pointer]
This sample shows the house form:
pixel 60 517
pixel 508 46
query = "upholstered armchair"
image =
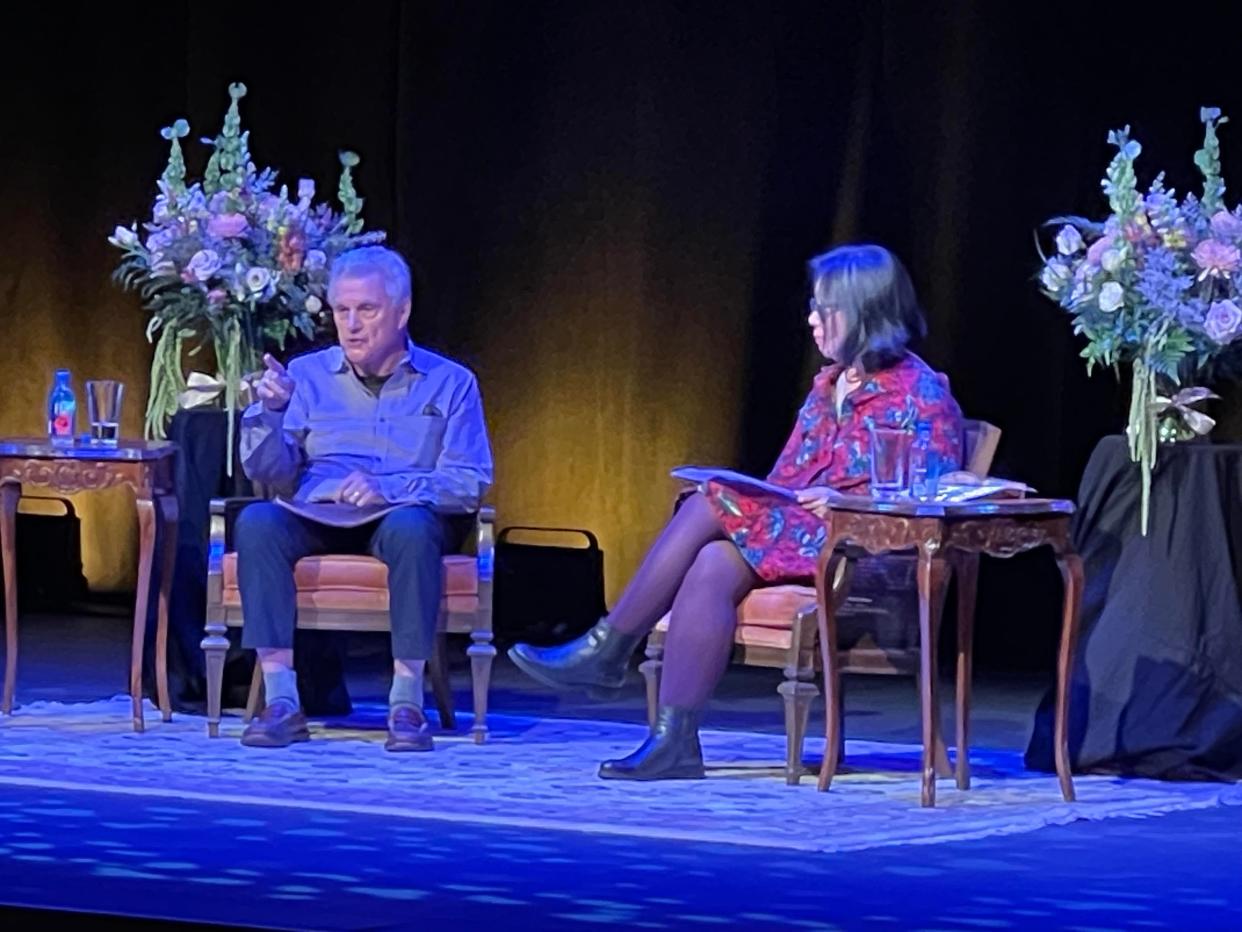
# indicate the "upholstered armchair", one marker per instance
pixel 877 625
pixel 350 593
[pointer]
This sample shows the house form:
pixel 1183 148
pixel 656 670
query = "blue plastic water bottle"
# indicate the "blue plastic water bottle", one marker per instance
pixel 62 410
pixel 924 464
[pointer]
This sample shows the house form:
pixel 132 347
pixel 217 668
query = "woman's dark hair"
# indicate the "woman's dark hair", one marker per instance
pixel 870 286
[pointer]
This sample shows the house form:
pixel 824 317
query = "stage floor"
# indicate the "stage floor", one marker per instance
pixel 321 860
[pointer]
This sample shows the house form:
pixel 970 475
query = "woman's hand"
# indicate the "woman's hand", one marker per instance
pixel 816 499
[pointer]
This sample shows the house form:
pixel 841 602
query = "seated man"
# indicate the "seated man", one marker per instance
pixel 392 437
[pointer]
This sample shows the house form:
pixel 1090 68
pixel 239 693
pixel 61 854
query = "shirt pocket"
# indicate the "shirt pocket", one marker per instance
pixel 415 441
pixel 339 435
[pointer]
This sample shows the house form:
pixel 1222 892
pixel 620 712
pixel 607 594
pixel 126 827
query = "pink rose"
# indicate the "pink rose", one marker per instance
pixel 1223 321
pixel 1216 258
pixel 227 226
pixel 216 296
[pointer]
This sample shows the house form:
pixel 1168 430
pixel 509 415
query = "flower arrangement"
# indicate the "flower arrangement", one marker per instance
pixel 230 262
pixel 1154 286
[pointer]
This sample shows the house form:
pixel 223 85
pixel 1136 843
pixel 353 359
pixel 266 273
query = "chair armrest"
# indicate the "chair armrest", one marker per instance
pixel 485 542
pixel 223 513
pixel 220 506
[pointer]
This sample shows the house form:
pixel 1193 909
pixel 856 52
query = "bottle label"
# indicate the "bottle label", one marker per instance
pixel 61 424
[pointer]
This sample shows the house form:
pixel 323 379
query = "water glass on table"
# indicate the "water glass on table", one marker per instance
pixel 890 458
pixel 103 401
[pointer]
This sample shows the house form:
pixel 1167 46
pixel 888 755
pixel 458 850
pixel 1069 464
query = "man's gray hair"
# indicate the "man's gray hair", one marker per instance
pixel 375 260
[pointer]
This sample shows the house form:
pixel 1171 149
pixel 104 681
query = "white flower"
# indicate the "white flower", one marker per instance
pixel 257 279
pixel 313 305
pixel 306 189
pixel 315 259
pixel 1111 297
pixel 123 237
pixel 1069 241
pixel 1055 275
pixel 1111 260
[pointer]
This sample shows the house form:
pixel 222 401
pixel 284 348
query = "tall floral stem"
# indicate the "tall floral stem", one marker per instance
pixel 228 355
pixel 167 382
pixel 1142 433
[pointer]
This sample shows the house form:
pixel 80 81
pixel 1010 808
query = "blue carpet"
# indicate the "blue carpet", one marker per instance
pixel 536 774
pixel 291 868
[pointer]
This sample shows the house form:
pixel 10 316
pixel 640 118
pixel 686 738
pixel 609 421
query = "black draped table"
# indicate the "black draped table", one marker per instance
pixel 1157 685
pixel 200 476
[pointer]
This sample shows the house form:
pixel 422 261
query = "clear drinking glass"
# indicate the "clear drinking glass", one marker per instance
pixel 103 402
pixel 890 458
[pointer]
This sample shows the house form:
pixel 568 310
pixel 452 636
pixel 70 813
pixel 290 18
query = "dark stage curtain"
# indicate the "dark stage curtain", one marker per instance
pixel 1157 687
pixel 609 207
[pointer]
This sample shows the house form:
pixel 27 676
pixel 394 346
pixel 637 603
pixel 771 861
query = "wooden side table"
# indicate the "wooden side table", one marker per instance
pixel 147 468
pixel 947 538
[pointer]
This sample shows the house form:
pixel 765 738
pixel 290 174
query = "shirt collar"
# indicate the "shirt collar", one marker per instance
pixel 412 360
pixel 877 383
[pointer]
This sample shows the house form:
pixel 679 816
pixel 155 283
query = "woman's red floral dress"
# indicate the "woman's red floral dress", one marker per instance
pixel 782 541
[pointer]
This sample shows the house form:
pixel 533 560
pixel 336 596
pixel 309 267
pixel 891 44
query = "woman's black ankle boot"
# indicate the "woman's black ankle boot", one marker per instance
pixel 597 660
pixel 671 751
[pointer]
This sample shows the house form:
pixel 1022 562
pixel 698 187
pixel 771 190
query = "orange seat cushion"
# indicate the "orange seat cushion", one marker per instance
pixel 756 636
pixel 349 582
pixel 774 606
pixel 766 616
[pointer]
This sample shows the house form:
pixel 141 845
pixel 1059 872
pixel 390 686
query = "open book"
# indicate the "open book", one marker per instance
pixel 967 487
pixel 337 514
pixel 701 474
pixel 953 487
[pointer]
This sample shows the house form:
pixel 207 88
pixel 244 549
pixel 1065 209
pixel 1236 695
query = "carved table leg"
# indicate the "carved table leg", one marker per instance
pixel 966 566
pixel 168 532
pixel 932 578
pixel 831 583
pixel 1072 575
pixel 10 493
pixel 146 556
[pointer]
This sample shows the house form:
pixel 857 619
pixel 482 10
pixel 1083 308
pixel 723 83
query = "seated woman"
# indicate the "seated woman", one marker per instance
pixel 723 542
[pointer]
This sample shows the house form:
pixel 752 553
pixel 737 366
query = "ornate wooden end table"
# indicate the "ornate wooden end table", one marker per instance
pixel 147 468
pixel 947 538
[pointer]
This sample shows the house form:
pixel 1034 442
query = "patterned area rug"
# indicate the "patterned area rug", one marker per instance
pixel 541 774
